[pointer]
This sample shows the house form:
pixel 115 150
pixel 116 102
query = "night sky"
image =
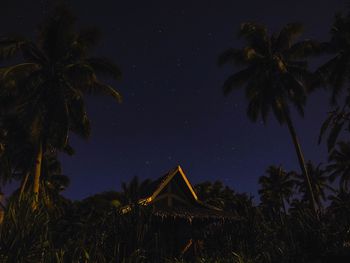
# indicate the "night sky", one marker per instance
pixel 174 111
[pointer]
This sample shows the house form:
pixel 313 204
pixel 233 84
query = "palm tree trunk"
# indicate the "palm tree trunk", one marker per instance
pixel 37 174
pixel 301 160
pixel 284 207
pixel 23 185
pixel 2 212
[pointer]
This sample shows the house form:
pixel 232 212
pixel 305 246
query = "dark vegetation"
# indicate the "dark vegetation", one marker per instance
pixel 302 216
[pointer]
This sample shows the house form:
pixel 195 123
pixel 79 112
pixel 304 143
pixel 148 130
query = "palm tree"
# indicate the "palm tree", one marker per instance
pixel 336 71
pixel 319 181
pixel 48 86
pixel 275 77
pixel 340 207
pixel 215 194
pixel 276 188
pixel 339 166
pixel 338 215
pixel 218 195
pixel 133 191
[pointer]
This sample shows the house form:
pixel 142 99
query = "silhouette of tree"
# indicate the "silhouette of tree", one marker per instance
pixel 339 166
pixel 336 74
pixel 133 191
pixel 336 71
pixel 48 86
pixel 215 194
pixel 276 189
pixel 220 196
pixel 340 207
pixel 275 77
pixel 319 181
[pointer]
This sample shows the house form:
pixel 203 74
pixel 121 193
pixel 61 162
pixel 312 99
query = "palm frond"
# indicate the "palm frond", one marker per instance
pixel 79 121
pixel 237 79
pixel 326 124
pixel 287 36
pixel 18 71
pixel 105 66
pixel 57 33
pixel 231 55
pixel 32 53
pixel 105 89
pixel 333 135
pixel 256 36
pixel 306 48
pixel 10 46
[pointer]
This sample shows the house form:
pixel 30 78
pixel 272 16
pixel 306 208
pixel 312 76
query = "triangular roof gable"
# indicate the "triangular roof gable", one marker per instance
pixel 167 180
pixel 163 182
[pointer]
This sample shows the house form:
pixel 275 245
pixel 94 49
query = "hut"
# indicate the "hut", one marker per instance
pixel 180 219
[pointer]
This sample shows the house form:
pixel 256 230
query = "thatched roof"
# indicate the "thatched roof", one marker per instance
pixel 193 213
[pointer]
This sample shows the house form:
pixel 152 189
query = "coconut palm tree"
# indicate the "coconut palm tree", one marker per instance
pixel 319 181
pixel 218 195
pixel 335 123
pixel 133 191
pixel 275 77
pixel 339 166
pixel 336 74
pixel 336 71
pixel 276 188
pixel 215 194
pixel 49 85
pixel 340 207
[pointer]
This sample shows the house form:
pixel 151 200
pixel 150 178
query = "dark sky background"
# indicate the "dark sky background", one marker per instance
pixel 174 111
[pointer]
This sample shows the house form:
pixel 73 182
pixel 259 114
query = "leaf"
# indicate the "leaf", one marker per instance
pixel 79 121
pixel 105 66
pixel 18 70
pixel 69 150
pixel 108 90
pixel 10 46
pixel 325 125
pixel 287 35
pixel 334 135
pixel 231 56
pixel 32 53
pixel 237 80
pixel 306 48
pixel 256 36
